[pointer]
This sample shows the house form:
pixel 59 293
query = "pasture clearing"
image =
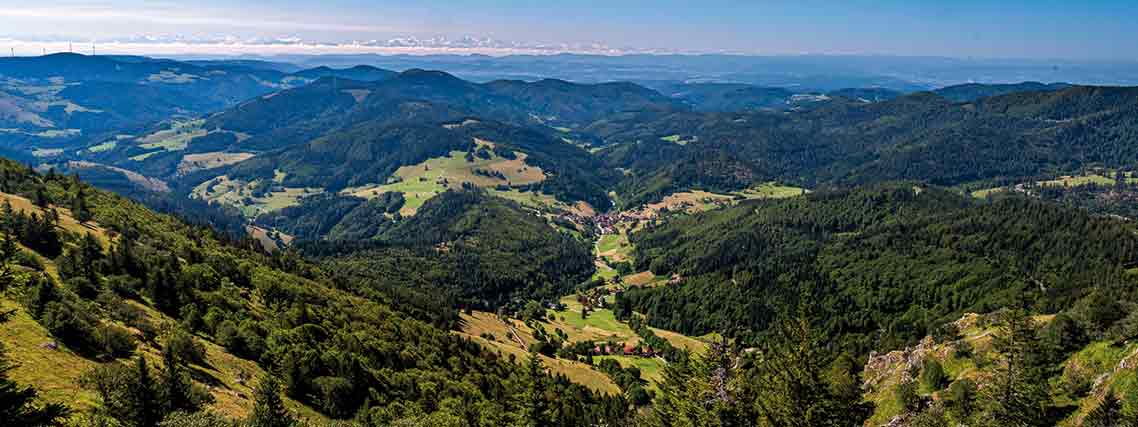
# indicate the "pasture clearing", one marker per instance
pixel 680 139
pixel 651 368
pixel 205 161
pixel 176 138
pixel 425 180
pixel 478 325
pixel 240 194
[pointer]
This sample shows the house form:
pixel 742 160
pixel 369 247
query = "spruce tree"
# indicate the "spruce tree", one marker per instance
pixel 1107 414
pixel 1017 395
pixel 532 410
pixel 79 209
pixel 268 407
pixel 791 388
pixel 176 389
pixel 8 252
pixel 141 404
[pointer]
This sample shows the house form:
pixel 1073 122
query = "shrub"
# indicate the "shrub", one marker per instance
pixel 182 344
pixel 906 396
pixel 932 376
pixel 115 341
pixel 66 324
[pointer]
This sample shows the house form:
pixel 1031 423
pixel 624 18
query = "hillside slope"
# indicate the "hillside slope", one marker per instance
pixel 895 261
pixel 125 295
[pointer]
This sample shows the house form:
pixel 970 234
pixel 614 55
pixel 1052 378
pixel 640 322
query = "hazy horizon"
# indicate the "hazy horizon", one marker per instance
pixel 1020 30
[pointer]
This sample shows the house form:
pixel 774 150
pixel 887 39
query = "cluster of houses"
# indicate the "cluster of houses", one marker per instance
pixel 606 349
pixel 595 298
pixel 606 223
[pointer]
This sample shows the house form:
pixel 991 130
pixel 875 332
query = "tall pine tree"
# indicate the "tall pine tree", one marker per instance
pixel 268 407
pixel 1018 394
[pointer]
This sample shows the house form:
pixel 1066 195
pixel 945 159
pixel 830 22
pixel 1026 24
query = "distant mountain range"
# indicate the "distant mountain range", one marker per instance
pixel 51 100
pixel 799 72
pixel 247 134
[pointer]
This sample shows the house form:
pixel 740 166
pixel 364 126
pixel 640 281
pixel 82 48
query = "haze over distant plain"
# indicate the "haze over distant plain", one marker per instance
pixel 1041 29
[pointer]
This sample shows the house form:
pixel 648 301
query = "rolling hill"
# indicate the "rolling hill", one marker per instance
pixel 920 137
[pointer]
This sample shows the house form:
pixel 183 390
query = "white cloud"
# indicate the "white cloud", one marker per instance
pixel 231 45
pixel 178 16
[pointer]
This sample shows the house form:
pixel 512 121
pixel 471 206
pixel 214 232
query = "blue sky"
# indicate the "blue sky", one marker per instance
pixel 1103 29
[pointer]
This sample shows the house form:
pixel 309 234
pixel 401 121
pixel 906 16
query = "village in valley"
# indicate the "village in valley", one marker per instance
pixel 592 336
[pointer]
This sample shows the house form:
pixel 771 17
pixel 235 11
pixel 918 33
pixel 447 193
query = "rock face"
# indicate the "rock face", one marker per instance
pixel 898 366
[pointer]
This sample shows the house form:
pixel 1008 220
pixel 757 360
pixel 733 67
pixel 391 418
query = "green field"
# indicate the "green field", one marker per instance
pixel 530 198
pixel 651 369
pixel 604 272
pixel 772 190
pixel 679 140
pixel 239 194
pixel 144 156
pixel 1075 181
pixel 609 242
pixel 47 152
pixel 106 146
pixel 174 139
pixel 425 180
pixel 602 319
pixel 1064 181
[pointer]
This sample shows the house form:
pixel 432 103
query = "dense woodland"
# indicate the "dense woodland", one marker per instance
pixel 484 251
pixel 890 264
pixel 346 356
pixel 922 137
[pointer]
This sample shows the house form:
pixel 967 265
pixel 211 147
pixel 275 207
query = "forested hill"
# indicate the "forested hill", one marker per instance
pixel 69 100
pixel 889 264
pixel 297 115
pixel 920 137
pixel 146 312
pixel 373 151
pixel 974 91
pixel 485 251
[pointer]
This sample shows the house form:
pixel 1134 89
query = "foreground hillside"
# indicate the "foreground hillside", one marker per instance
pixel 110 283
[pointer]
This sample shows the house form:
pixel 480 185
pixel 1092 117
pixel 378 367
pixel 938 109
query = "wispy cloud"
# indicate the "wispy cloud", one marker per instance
pixel 231 45
pixel 181 16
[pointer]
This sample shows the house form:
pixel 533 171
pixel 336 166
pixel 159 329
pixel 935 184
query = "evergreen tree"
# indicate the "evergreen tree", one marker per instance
pixel 1107 414
pixel 175 386
pixel 79 209
pixel 268 407
pixel 40 198
pixel 533 410
pixel 1018 395
pixel 705 390
pixel 141 403
pixel 8 252
pixel 790 388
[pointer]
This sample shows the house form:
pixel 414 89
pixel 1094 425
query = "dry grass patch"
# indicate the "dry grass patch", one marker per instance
pixel 66 221
pixel 479 324
pixel 54 372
